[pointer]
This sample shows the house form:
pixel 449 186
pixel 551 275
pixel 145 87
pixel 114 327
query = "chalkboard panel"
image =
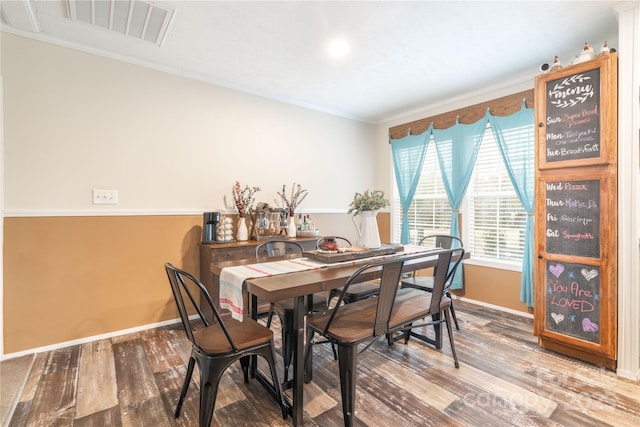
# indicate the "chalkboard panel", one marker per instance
pixel 572 218
pixel 573 117
pixel 573 300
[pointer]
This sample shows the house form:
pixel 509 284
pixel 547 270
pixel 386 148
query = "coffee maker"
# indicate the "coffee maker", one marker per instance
pixel 210 222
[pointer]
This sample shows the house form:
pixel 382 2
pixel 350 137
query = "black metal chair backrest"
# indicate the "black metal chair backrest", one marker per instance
pixel 448 262
pixel 274 248
pixel 443 241
pixel 183 284
pixel 390 276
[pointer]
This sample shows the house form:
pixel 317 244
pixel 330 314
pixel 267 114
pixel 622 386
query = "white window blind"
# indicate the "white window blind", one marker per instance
pixel 430 212
pixel 495 217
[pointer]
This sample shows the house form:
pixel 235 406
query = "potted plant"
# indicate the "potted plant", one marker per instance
pixel 368 201
pixel 367 205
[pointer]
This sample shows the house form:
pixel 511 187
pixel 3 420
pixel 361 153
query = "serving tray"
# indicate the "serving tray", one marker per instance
pixel 349 256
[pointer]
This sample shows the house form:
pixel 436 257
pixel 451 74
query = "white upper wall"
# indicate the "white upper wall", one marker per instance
pixel 74 122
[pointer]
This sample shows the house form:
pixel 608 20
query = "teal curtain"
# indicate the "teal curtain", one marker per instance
pixel 408 157
pixel 457 149
pixel 515 139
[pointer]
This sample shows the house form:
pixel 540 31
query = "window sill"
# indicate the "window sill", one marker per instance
pixel 500 265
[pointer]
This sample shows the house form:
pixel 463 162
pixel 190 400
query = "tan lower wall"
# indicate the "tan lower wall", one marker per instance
pixel 69 278
pixel 493 286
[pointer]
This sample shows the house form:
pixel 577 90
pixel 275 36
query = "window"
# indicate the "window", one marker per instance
pixel 430 212
pixel 493 220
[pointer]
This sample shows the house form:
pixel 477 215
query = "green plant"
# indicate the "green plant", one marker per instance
pixel 368 201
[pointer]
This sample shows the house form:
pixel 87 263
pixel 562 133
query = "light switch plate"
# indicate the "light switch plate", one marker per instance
pixel 105 197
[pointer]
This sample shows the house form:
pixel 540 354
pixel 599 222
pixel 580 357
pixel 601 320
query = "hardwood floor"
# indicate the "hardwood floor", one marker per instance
pixel 504 379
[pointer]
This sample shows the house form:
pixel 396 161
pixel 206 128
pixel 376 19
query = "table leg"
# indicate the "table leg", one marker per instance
pixel 298 360
pixel 253 311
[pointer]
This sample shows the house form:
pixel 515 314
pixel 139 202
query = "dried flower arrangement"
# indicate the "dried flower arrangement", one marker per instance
pixel 368 201
pixel 297 196
pixel 243 198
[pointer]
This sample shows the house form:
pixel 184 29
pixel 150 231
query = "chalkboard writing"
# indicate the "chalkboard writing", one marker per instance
pixel 573 300
pixel 572 218
pixel 573 117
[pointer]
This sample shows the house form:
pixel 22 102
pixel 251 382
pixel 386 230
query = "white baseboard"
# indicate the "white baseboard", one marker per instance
pixel 495 307
pixel 91 338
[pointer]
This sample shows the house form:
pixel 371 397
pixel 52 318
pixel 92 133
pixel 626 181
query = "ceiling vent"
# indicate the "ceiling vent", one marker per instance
pixel 135 18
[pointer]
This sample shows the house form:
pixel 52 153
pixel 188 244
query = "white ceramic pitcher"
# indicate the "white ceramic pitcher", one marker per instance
pixel 368 234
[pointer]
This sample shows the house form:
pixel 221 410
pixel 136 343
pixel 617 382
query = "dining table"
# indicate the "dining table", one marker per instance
pixel 297 286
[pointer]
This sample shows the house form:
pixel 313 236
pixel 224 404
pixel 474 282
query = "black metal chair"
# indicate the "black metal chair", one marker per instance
pixel 349 325
pixel 448 263
pixel 425 283
pixel 285 309
pixel 357 291
pixel 217 344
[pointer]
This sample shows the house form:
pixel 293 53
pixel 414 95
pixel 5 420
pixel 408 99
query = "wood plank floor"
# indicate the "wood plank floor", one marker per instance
pixel 504 379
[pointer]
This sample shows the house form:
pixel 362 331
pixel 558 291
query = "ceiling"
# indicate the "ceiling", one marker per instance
pixel 403 56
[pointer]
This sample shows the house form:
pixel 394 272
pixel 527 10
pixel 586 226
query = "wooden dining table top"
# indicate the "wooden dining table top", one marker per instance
pixel 289 285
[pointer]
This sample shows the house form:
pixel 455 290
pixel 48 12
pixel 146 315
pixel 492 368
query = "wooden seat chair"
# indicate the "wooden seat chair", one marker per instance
pixel 218 344
pixel 433 302
pixel 357 291
pixel 349 325
pixel 285 309
pixel 425 283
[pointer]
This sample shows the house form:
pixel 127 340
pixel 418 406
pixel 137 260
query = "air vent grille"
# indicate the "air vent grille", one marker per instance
pixel 135 18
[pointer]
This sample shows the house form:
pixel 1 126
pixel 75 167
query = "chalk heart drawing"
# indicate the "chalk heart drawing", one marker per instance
pixel 556 270
pixel 589 274
pixel 589 326
pixel 558 317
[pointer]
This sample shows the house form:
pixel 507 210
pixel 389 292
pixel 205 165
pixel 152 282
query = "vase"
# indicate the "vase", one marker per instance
pixel 243 231
pixel 291 228
pixel 368 234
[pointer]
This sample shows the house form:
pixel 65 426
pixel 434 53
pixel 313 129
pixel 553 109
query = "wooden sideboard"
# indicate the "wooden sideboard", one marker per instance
pixel 218 252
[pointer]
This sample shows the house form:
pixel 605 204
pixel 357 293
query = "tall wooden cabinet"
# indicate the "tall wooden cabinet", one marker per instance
pixel 576 210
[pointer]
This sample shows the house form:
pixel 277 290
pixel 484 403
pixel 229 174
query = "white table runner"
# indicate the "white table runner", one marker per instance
pixel 232 278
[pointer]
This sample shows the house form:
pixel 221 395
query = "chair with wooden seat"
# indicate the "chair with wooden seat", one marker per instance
pixel 425 283
pixel 217 344
pixel 364 321
pixel 285 309
pixel 357 291
pixel 441 282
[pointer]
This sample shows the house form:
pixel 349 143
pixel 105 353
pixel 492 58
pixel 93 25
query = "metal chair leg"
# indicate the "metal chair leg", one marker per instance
pixel 348 365
pixel 453 312
pixel 269 353
pixel 447 318
pixel 185 386
pixel 210 373
pixel 244 362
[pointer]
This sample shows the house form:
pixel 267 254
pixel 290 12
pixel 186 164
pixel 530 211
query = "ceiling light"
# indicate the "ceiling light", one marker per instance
pixel 338 48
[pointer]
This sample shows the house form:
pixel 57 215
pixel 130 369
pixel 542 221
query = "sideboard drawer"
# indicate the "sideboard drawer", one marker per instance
pixel 234 251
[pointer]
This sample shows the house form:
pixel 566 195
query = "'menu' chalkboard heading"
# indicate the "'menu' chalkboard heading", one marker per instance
pixel 573 117
pixel 573 300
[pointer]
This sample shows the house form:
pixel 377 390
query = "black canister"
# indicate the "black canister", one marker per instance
pixel 210 222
